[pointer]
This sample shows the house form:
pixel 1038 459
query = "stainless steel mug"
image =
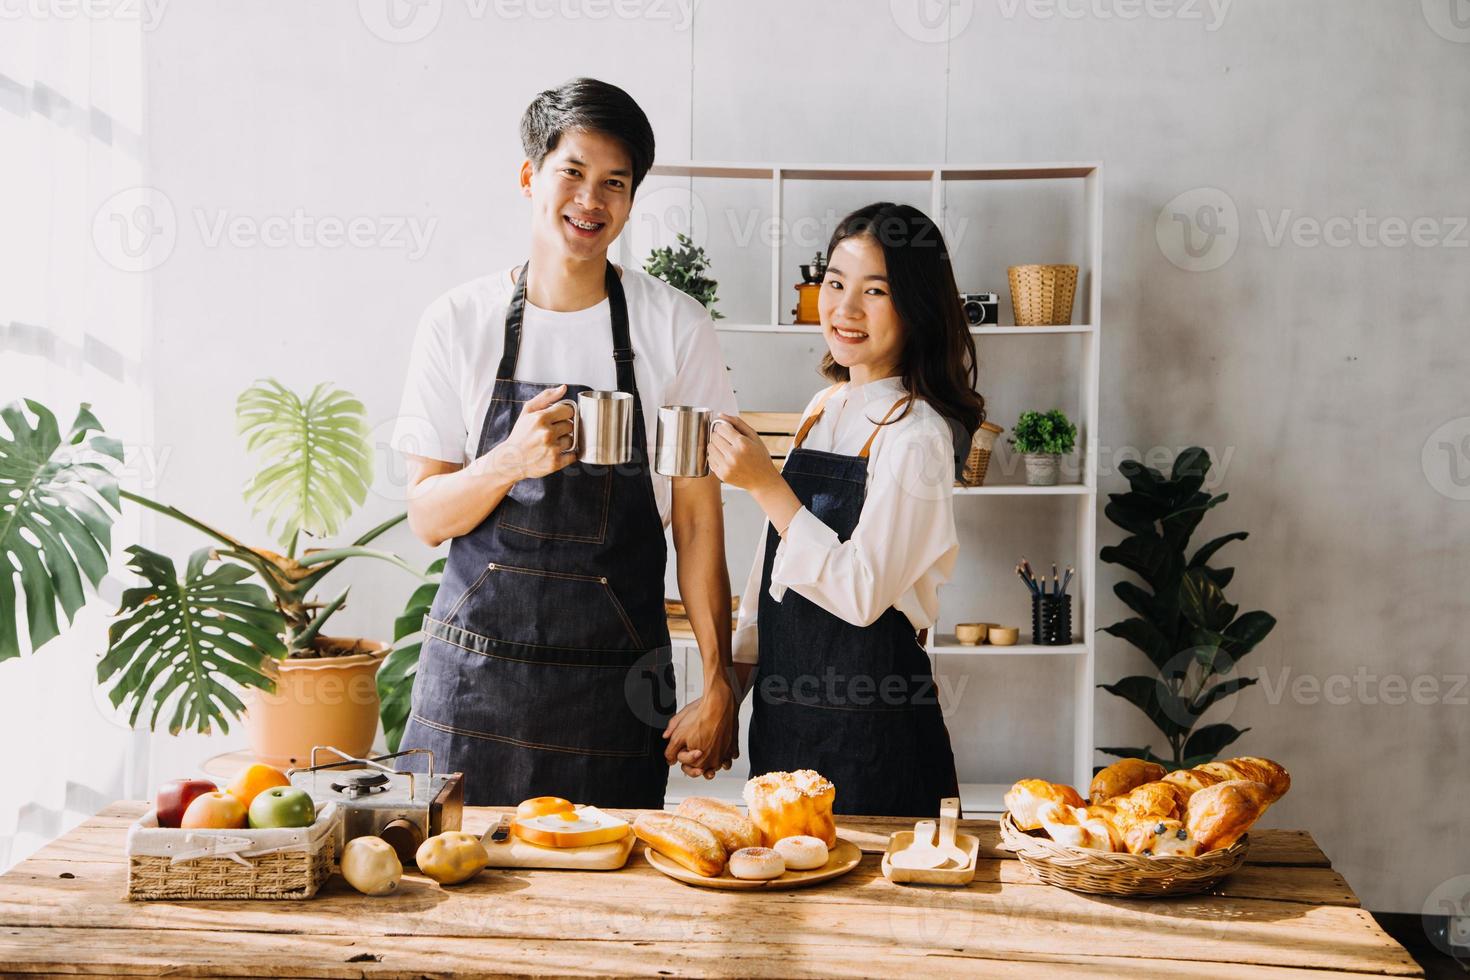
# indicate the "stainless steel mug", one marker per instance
pixel 602 427
pixel 683 440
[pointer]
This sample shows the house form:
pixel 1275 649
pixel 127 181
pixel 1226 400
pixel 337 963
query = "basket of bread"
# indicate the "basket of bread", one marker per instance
pixel 1142 831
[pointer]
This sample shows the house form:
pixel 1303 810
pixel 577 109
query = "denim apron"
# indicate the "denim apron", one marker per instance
pixel 856 703
pixel 545 668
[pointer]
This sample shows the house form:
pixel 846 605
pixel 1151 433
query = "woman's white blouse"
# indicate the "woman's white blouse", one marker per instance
pixel 904 545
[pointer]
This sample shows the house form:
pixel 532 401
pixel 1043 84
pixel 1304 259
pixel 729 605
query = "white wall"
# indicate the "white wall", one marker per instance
pixel 1320 372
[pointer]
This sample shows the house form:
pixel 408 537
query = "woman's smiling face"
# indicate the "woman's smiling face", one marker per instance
pixel 861 325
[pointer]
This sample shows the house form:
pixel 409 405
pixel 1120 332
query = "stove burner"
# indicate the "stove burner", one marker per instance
pixel 363 785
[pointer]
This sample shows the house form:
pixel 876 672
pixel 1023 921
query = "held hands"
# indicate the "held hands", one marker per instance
pixel 738 457
pixel 704 737
pixel 540 442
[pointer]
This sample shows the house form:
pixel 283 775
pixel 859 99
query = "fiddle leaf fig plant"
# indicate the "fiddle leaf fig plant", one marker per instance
pixel 53 527
pixel 1183 623
pixel 685 269
pixel 193 642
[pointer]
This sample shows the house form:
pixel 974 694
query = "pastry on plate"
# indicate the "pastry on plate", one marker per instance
pixel 734 829
pixel 792 804
pixel 680 839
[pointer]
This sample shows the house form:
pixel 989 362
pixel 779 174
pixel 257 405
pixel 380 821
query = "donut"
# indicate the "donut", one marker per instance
pixel 757 864
pixel 802 853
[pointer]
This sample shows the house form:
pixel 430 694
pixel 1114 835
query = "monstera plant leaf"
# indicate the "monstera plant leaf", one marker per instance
pixel 179 639
pixel 52 527
pixel 395 677
pixel 318 459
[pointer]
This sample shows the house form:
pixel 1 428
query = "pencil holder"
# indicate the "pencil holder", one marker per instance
pixel 1051 620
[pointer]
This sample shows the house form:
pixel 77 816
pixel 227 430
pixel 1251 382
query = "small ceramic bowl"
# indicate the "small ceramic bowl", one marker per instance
pixel 971 634
pixel 1004 636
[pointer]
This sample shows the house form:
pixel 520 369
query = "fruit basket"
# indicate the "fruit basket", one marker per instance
pixel 1080 869
pixel 277 862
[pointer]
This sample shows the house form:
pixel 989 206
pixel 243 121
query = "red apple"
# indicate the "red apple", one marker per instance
pixel 175 796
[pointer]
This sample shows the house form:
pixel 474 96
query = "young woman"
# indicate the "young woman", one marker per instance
pixel 861 527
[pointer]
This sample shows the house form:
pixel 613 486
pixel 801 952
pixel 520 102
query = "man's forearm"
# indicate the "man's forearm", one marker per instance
pixel 704 581
pixel 447 505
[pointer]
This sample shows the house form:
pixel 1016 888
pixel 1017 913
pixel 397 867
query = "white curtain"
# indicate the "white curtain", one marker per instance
pixel 73 328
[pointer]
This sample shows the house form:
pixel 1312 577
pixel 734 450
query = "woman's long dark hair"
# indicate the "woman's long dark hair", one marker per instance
pixel 938 360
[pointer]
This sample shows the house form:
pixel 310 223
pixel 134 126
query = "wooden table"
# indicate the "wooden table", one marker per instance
pixel 1286 913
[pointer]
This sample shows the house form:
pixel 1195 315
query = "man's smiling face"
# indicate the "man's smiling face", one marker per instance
pixel 581 195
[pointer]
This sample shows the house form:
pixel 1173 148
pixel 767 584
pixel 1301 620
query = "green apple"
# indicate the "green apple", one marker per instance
pixel 282 806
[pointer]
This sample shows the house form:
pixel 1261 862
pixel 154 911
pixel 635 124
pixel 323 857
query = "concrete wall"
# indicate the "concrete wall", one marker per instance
pixel 1321 375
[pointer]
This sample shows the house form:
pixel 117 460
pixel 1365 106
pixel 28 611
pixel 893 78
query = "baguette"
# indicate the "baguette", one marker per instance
pixel 734 829
pixel 680 839
pixel 1122 777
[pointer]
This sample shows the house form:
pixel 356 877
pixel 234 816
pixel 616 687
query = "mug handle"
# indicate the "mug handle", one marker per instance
pixel 576 423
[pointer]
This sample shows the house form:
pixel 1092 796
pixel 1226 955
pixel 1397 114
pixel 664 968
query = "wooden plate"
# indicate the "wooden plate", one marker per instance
pixel 840 860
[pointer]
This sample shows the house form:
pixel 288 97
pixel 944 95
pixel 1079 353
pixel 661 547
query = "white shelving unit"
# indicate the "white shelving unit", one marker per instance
pixel 979 798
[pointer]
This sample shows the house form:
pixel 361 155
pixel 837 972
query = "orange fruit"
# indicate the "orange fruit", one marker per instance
pixel 253 780
pixel 214 811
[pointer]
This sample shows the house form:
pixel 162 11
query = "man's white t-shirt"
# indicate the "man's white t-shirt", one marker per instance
pixel 461 337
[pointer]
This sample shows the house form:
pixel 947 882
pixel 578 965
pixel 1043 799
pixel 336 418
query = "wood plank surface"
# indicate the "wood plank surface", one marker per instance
pixel 64 910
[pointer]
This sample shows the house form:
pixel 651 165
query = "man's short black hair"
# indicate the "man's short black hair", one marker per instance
pixel 587 104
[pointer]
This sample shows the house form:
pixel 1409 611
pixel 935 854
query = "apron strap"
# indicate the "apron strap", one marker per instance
pixel 879 427
pixel 617 306
pixel 811 420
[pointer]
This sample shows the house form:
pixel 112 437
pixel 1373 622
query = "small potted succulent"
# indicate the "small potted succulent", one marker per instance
pixel 1042 438
pixel 684 268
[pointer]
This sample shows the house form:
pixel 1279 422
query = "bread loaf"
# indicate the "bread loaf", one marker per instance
pixel 1121 777
pixel 1155 799
pixel 792 804
pixel 1220 814
pixel 1191 781
pixel 1026 797
pixel 680 839
pixel 734 829
pixel 1077 827
pixel 1155 836
pixel 1275 777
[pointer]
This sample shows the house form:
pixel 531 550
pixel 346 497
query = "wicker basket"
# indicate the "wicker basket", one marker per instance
pixel 285 862
pixel 1041 295
pixel 1129 875
pixel 973 473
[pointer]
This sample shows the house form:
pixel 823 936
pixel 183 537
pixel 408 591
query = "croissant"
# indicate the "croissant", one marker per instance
pixel 1121 777
pixel 1155 799
pixel 1191 781
pixel 1078 827
pixel 1024 798
pixel 1219 815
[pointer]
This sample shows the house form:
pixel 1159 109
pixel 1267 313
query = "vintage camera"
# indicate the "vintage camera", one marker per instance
pixel 981 309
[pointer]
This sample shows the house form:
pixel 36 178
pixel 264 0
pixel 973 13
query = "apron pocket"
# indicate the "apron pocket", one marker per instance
pixel 547 609
pixel 568 505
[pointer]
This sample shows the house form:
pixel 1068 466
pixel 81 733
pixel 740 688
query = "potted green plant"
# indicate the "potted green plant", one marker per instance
pixel 240 630
pixel 684 269
pixel 1042 439
pixel 1181 621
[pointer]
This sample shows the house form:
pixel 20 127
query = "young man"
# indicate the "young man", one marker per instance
pixel 546 667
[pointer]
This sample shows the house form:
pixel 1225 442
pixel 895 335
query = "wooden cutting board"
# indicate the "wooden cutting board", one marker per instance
pixel 516 853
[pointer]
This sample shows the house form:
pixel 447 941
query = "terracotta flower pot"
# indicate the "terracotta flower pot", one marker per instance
pixel 329 700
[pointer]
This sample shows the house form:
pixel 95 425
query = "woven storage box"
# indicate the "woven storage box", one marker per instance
pixel 1041 295
pixel 973 473
pixel 285 862
pixel 1127 875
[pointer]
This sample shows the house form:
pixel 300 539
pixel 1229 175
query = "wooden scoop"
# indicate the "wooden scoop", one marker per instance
pixel 949 815
pixel 922 854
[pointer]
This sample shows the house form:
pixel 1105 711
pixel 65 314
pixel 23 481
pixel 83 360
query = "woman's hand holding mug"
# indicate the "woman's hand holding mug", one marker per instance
pixel 739 457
